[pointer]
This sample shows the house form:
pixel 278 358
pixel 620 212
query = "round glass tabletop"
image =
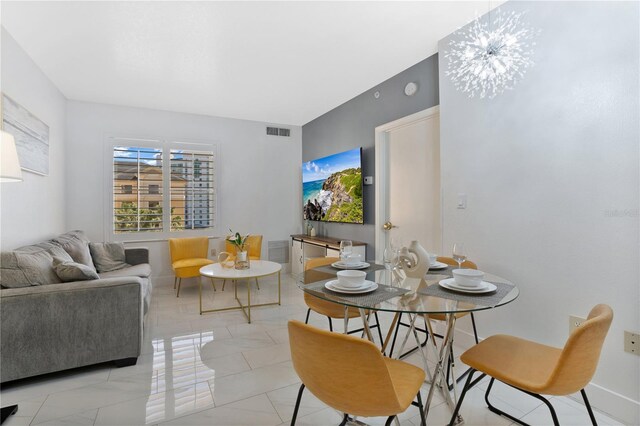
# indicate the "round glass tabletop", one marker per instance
pixel 397 293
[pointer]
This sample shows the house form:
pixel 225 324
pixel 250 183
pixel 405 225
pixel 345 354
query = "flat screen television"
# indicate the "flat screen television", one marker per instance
pixel 332 188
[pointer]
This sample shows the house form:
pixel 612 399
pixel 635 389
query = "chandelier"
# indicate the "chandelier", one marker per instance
pixel 491 56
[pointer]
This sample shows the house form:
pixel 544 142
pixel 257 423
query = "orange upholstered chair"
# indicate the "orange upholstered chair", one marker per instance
pixel 351 375
pixel 329 309
pixel 188 255
pixel 537 369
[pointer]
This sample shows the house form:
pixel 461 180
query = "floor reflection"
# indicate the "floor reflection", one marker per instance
pixel 182 377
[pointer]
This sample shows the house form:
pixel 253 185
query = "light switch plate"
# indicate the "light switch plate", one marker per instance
pixel 462 201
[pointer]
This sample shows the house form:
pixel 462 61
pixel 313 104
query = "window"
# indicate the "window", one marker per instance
pixel 133 169
pixel 142 179
pixel 192 206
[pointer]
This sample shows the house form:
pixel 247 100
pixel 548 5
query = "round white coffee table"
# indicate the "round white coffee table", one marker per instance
pixel 258 268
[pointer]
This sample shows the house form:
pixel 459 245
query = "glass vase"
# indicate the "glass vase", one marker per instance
pixel 242 257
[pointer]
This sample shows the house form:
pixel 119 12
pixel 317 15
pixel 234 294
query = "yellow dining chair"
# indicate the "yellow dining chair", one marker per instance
pixel 537 369
pixel 329 309
pixel 188 255
pixel 350 374
pixel 467 264
pixel 255 252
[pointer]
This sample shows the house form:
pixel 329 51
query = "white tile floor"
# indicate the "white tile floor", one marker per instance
pixel 216 369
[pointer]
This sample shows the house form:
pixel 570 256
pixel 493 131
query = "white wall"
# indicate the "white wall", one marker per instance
pixel 258 176
pixel 34 209
pixel 551 170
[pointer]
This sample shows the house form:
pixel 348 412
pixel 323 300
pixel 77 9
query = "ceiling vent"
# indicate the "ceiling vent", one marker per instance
pixel 275 131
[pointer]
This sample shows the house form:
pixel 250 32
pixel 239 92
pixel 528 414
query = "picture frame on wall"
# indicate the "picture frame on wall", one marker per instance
pixel 31 135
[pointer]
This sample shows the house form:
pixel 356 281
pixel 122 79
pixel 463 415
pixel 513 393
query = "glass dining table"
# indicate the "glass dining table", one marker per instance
pixel 426 298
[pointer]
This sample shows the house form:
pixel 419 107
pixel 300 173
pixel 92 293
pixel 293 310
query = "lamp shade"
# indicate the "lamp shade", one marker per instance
pixel 9 164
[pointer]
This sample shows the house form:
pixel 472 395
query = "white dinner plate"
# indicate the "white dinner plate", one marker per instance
pixel 342 265
pixel 439 265
pixel 450 284
pixel 364 286
pixel 370 286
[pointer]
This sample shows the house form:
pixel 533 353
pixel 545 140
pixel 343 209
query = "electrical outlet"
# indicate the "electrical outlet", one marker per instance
pixel 575 322
pixel 214 252
pixel 632 342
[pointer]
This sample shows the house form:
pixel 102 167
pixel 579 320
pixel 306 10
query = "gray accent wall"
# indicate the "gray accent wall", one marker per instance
pixel 551 172
pixel 353 124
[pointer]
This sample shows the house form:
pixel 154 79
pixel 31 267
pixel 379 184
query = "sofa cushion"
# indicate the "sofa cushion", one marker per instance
pixel 143 271
pixel 108 256
pixel 77 245
pixel 69 271
pixel 30 265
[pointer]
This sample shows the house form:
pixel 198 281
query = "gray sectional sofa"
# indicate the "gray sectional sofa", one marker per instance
pixel 48 325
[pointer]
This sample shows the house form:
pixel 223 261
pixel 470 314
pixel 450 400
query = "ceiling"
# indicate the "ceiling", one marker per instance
pixel 279 62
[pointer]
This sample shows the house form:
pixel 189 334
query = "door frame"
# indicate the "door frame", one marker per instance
pixel 382 163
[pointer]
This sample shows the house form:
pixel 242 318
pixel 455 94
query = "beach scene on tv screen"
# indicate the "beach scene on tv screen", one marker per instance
pixel 332 188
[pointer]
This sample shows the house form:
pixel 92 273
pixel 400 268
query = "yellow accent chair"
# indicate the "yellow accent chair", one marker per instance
pixel 188 255
pixel 537 369
pixel 324 307
pixel 350 374
pixel 255 252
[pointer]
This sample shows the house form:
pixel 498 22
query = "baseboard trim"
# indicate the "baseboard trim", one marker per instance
pixel 611 403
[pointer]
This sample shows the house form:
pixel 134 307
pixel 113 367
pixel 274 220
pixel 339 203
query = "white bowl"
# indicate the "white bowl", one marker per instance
pixel 351 279
pixel 468 277
pixel 353 259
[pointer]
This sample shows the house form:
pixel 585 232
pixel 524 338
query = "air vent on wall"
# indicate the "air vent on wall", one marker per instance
pixel 278 251
pixel 275 131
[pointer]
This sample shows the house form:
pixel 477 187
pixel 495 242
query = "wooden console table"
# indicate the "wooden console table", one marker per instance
pixel 304 247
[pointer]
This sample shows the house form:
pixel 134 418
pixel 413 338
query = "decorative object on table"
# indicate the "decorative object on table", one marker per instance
pixel 31 136
pixel 414 260
pixel 10 165
pixel 312 232
pixel 241 245
pixel 225 259
pixel 492 54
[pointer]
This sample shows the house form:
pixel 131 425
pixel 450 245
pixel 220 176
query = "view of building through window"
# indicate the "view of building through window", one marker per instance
pixel 196 197
pixel 138 189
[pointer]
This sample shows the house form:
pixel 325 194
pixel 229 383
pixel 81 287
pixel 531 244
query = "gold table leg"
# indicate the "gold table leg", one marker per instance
pixel 246 309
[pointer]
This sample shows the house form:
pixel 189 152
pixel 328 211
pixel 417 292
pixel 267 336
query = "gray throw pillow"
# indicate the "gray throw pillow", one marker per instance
pixel 30 265
pixel 69 271
pixel 108 256
pixel 77 245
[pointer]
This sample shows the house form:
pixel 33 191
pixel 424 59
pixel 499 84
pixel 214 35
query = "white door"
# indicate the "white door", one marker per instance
pixel 408 181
